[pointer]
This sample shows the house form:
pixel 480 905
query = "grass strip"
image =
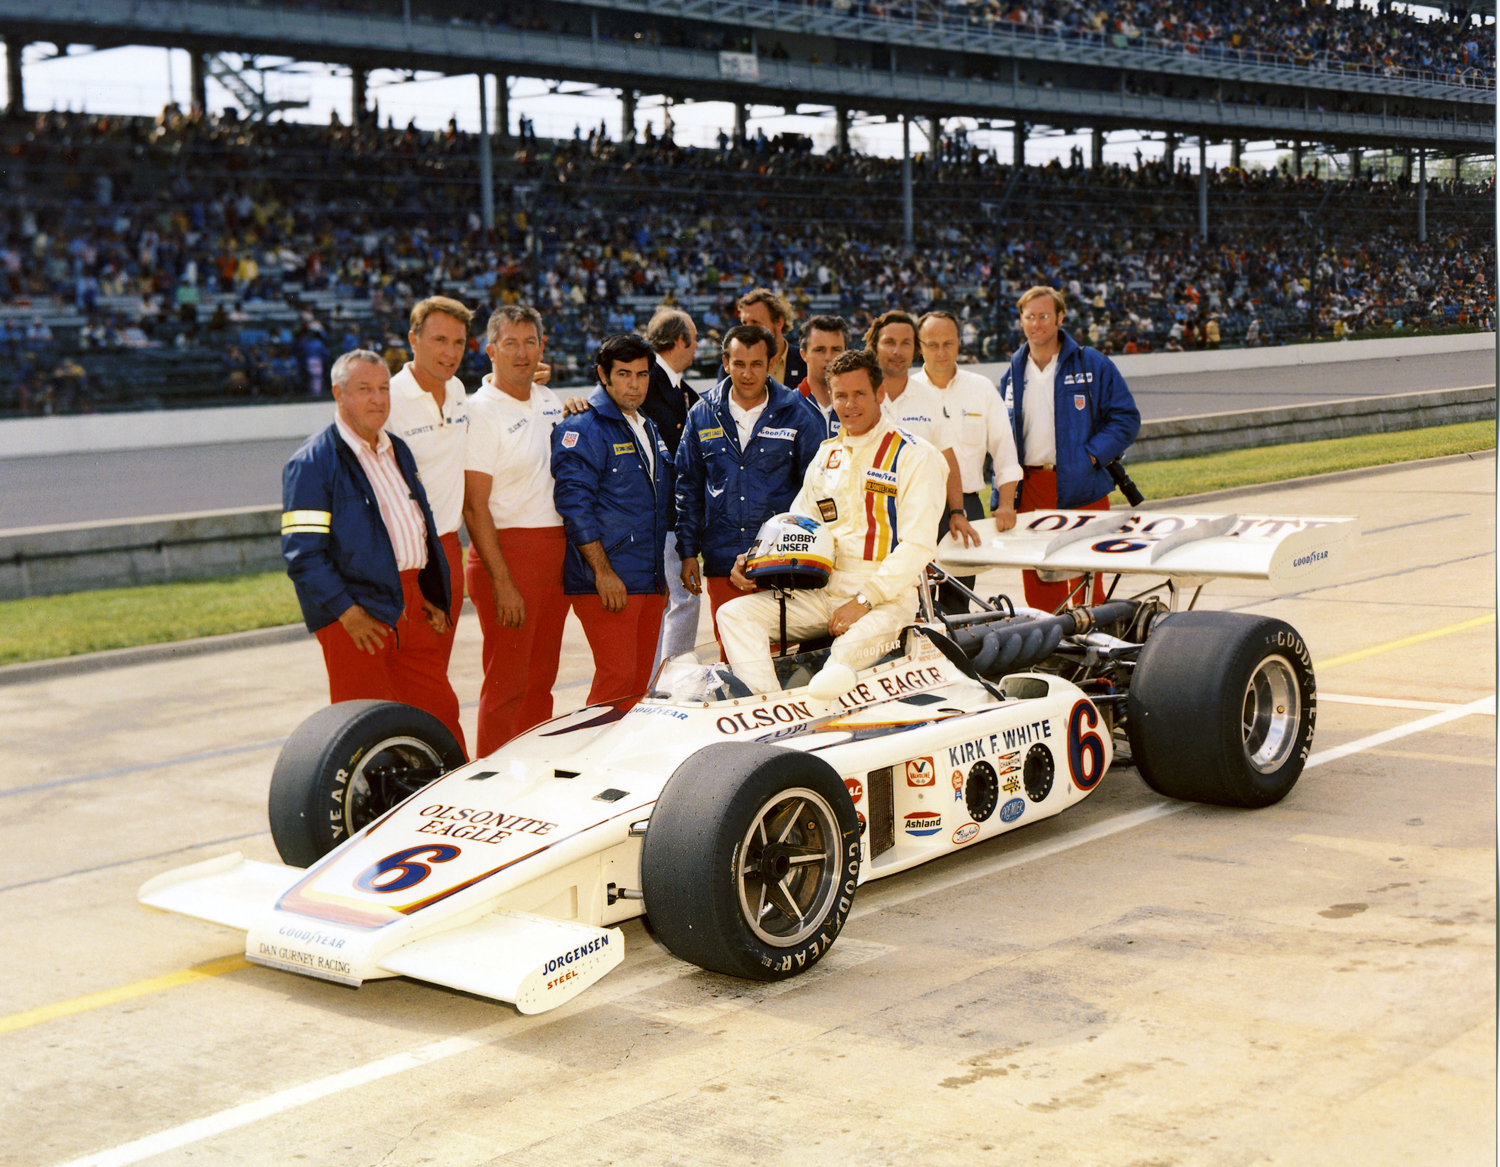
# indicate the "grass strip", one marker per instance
pixel 59 626
pixel 1175 477
pixel 56 626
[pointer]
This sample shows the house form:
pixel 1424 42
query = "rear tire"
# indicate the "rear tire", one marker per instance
pixel 750 861
pixel 1221 708
pixel 347 765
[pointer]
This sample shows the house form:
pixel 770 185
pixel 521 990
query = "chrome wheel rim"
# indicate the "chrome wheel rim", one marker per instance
pixel 787 873
pixel 1271 714
pixel 378 771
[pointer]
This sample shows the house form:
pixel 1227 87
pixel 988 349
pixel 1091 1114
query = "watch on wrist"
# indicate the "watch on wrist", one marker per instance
pixel 860 597
pixel 958 511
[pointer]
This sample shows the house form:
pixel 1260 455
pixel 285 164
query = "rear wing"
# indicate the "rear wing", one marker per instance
pixel 1287 551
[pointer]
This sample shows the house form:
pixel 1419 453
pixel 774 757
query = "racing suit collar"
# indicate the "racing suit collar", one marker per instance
pixel 877 431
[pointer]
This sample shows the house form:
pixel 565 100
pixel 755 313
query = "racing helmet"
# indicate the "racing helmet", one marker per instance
pixel 790 551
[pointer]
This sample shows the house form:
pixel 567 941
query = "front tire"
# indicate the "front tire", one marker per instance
pixel 347 765
pixel 751 860
pixel 1222 707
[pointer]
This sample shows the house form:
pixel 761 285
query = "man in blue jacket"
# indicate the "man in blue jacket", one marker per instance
pixel 363 552
pixel 744 452
pixel 613 482
pixel 1073 415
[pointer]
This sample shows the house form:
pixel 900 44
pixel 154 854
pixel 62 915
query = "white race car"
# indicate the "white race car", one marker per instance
pixel 743 823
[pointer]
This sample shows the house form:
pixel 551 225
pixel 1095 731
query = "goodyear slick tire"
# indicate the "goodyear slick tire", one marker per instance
pixel 1222 708
pixel 318 796
pixel 703 862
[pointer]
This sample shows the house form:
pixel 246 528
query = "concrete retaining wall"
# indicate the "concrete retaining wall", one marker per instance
pixel 72 557
pixel 1210 433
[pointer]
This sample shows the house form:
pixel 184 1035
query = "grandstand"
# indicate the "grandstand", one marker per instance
pixel 204 258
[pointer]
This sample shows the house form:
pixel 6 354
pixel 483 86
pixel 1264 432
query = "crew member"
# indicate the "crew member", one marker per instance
pixel 1073 415
pixel 674 338
pixel 429 412
pixel 880 492
pixel 823 338
pixel 613 489
pixel 363 554
pixel 742 459
pixel 771 311
pixel 981 428
pixel 516 540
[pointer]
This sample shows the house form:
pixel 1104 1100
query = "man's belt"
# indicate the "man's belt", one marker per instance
pixel 1049 467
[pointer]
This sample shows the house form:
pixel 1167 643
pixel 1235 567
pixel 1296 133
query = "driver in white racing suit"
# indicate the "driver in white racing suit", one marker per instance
pixel 880 491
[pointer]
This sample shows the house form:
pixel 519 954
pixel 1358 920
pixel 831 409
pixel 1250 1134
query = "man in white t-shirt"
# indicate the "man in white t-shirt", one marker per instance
pixel 516 540
pixel 430 413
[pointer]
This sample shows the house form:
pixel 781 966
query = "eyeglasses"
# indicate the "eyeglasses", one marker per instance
pixel 1036 317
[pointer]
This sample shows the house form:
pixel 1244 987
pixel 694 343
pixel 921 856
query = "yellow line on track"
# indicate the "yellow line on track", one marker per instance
pixel 214 968
pixel 1406 641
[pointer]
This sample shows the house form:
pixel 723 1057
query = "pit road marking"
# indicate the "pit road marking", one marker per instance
pixel 1406 641
pixel 284 1100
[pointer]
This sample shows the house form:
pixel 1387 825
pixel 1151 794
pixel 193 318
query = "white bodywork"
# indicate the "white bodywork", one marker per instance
pixel 504 878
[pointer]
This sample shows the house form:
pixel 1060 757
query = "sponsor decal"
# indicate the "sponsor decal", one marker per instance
pixel 784 434
pixel 958 786
pixel 306 959
pixel 662 711
pixel 919 772
pixel 709 435
pixel 965 832
pixel 309 936
pixel 835 459
pixel 567 958
pixel 514 426
pixel 1005 763
pixel 1001 746
pixel 570 439
pixel 624 447
pixel 783 713
pixel 478 826
pixel 862 823
pixel 1012 810
pixel 1079 401
pixel 924 822
pixel 1310 557
pixel 855 787
pixel 880 481
pixel 828 509
pixel 1012 785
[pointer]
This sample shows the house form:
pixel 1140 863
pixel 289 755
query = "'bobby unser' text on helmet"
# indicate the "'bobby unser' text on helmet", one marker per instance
pixel 790 551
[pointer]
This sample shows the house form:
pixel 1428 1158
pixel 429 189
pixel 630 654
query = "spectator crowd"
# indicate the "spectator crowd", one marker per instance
pixel 243 258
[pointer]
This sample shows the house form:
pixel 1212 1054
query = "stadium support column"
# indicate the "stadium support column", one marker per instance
pixel 486 161
pixel 502 108
pixel 1096 158
pixel 1422 195
pixel 841 129
pixel 1356 156
pixel 1018 144
pixel 1202 187
pixel 15 93
pixel 1236 153
pixel 199 81
pixel 741 122
pixel 1296 159
pixel 908 234
pixel 357 83
pixel 1169 154
pixel 627 116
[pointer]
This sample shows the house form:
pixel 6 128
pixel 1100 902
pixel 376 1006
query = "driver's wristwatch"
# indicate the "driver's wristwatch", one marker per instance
pixel 860 598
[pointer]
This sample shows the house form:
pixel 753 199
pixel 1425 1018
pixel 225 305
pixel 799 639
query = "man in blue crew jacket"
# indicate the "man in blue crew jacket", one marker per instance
pixel 744 452
pixel 363 552
pixel 1073 415
pixel 613 483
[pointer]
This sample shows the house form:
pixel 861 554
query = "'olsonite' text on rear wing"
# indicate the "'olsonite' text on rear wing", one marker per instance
pixel 1290 552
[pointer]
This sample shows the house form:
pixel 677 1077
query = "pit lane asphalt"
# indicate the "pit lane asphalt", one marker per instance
pixel 122 484
pixel 1136 981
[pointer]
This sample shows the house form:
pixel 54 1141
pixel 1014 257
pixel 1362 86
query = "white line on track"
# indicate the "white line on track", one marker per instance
pixel 1394 702
pixel 284 1100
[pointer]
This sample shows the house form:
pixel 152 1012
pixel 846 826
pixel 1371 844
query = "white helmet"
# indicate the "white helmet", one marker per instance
pixel 791 551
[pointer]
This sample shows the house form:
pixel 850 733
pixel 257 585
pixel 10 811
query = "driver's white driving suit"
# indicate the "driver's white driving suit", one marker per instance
pixel 881 494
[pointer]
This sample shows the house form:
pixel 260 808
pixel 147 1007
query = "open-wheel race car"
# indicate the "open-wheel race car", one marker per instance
pixel 744 823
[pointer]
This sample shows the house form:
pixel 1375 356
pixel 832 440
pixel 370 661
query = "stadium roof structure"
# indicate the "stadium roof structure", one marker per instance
pixel 1434 114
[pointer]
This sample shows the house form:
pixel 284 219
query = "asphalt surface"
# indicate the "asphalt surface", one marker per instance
pixel 72 488
pixel 1136 981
